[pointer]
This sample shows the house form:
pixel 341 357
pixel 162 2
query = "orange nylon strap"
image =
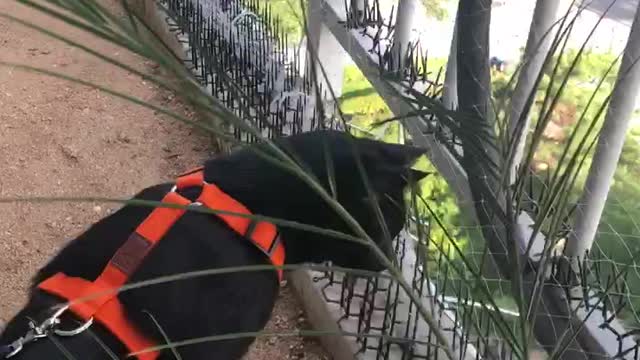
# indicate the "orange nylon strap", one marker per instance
pixel 111 313
pixel 263 234
pixel 189 180
pixel 98 299
pixel 197 169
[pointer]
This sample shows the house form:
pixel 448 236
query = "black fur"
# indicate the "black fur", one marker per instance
pixel 236 302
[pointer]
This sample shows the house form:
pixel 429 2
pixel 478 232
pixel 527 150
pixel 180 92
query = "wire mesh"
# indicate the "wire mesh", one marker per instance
pixel 238 50
pixel 239 43
pixel 236 53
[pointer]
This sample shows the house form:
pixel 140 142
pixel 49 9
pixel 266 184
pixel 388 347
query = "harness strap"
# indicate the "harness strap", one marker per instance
pixel 263 234
pixel 110 313
pixel 98 299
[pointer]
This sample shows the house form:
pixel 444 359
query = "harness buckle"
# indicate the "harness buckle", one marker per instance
pixel 47 327
pixel 12 349
pixel 73 332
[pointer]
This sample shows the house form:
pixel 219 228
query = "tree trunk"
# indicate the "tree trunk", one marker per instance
pixel 474 78
pixel 609 147
pixel 538 44
pixel 474 90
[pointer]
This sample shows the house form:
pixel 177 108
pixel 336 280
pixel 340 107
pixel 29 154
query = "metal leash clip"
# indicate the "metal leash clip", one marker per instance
pixel 47 327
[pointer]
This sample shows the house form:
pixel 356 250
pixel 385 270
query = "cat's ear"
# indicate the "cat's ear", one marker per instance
pixel 416 175
pixel 398 178
pixel 412 153
pixel 400 156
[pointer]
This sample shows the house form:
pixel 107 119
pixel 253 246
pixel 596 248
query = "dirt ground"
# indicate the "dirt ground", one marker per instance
pixel 61 139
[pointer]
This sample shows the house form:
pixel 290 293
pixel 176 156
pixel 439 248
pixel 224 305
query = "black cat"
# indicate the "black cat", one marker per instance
pixel 236 302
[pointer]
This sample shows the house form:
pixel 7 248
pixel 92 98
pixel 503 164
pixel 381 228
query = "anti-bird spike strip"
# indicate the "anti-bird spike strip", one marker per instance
pixel 240 53
pixel 239 43
pixel 234 44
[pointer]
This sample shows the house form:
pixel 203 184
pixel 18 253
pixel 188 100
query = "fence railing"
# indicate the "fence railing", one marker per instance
pixel 362 40
pixel 239 53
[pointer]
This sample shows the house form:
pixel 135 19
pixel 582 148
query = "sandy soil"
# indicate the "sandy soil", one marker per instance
pixel 62 139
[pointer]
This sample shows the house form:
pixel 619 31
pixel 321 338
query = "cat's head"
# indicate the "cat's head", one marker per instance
pixel 330 156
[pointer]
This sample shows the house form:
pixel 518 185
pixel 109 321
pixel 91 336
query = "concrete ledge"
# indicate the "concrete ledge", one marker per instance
pixel 155 18
pixel 320 316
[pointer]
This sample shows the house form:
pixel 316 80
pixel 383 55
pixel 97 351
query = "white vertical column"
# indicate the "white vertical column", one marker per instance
pixel 402 36
pixel 450 90
pixel 325 55
pixel 538 46
pixel 610 142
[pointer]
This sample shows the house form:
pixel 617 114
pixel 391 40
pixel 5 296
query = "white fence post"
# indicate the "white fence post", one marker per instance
pixel 607 153
pixel 402 35
pixel 537 48
pixel 324 55
pixel 450 90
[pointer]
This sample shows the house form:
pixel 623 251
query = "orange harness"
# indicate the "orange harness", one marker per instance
pixel 106 308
